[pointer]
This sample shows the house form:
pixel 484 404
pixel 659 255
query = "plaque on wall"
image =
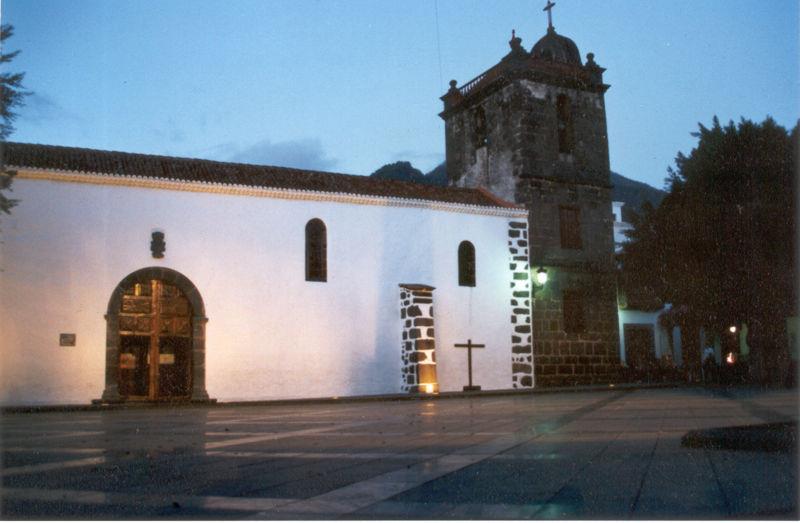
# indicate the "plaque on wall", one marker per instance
pixel 66 340
pixel 166 359
pixel 127 360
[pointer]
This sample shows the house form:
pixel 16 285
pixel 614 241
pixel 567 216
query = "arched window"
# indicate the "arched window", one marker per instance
pixel 564 114
pixel 466 264
pixel 316 251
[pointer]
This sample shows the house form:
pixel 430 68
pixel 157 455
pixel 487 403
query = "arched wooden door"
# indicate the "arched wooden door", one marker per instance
pixel 155 342
pixel 155 338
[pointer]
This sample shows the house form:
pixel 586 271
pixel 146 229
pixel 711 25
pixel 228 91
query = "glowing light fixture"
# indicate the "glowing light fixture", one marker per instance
pixel 730 358
pixel 732 328
pixel 541 276
pixel 429 388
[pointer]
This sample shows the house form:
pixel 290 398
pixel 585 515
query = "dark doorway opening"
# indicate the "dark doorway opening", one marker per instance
pixel 640 349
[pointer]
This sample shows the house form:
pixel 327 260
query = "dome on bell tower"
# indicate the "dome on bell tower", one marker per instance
pixel 557 48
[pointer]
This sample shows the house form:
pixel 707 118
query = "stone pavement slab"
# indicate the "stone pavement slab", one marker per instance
pixel 581 455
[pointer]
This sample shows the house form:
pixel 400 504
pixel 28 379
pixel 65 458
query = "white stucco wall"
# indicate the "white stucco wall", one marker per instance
pixel 270 333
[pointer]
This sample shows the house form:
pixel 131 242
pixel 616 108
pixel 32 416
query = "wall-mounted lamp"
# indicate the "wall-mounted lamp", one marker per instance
pixel 541 277
pixel 732 329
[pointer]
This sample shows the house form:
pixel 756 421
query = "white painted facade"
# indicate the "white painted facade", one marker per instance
pixel 270 334
pixel 620 226
pixel 661 339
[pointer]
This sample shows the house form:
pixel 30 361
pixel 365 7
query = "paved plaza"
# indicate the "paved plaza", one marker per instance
pixel 609 454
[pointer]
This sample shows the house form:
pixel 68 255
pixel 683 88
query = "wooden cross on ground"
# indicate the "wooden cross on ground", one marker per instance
pixel 469 346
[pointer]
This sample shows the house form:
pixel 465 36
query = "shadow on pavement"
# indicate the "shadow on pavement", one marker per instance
pixel 766 437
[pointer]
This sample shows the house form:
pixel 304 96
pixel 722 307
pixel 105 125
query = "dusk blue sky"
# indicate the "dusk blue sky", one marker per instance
pixel 349 85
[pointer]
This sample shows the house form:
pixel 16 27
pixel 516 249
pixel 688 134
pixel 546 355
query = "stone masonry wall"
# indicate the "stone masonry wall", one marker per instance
pixel 589 356
pixel 521 342
pixel 519 160
pixel 418 346
pixel 522 139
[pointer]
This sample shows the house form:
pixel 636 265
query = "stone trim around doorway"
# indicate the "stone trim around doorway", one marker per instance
pixel 199 320
pixel 521 339
pixel 418 345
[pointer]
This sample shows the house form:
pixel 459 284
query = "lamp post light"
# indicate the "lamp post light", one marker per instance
pixel 541 277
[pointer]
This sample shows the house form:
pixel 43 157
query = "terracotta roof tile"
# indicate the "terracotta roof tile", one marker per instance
pixel 166 167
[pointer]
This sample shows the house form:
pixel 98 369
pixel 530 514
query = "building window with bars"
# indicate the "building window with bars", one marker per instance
pixel 316 251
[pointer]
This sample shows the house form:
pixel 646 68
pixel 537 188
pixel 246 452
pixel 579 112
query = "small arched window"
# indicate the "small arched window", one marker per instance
pixel 316 251
pixel 466 264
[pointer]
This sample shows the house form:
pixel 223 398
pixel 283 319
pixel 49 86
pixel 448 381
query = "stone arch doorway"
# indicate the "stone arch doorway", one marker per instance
pixel 155 339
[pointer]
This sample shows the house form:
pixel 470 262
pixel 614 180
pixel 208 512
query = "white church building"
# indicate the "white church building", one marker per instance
pixel 128 277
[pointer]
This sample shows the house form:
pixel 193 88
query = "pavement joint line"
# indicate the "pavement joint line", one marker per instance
pixel 58 434
pixel 319 402
pixel 275 436
pixel 760 411
pixel 51 450
pixel 55 465
pixel 365 493
pixel 94 497
pixel 325 455
pixel 718 482
pixel 439 510
pixel 245 421
pixel 546 504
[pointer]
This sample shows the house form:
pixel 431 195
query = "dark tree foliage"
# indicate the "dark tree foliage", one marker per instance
pixel 722 244
pixel 11 96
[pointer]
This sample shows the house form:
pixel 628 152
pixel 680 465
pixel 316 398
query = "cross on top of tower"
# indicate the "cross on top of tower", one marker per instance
pixel 549 9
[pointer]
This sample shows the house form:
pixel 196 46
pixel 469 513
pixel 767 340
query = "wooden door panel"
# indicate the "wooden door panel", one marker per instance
pixel 134 366
pixel 136 304
pixel 174 369
pixel 155 342
pixel 174 306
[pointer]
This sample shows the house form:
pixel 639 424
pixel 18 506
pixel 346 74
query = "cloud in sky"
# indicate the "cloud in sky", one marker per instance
pixel 306 153
pixel 171 132
pixel 40 108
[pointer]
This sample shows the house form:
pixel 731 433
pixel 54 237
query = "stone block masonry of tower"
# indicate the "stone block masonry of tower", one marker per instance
pixel 576 336
pixel 587 354
pixel 532 130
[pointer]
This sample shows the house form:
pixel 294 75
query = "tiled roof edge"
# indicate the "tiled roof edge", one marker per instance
pixel 75 159
pixel 62 175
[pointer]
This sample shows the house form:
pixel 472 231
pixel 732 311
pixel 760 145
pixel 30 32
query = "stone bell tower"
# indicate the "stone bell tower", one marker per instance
pixel 532 129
